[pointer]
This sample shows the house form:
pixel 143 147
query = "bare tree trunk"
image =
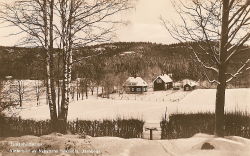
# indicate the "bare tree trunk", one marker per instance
pixel 102 91
pixel 51 62
pixel 58 84
pixel 86 90
pixel 38 91
pixel 92 91
pixel 108 92
pixel 20 92
pixel 82 92
pixel 67 59
pixel 49 93
pixel 68 76
pixel 219 104
pixel 77 90
pixel 73 93
pixel 221 87
pixel 64 99
pixel 97 89
pixel 50 88
pixel 69 52
pixel 58 98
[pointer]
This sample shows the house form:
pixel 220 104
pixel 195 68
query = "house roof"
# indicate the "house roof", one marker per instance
pixel 135 81
pixel 189 82
pixel 165 78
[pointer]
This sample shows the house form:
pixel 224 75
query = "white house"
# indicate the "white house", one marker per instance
pixel 135 85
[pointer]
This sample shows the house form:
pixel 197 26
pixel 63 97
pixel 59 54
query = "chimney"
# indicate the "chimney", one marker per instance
pixel 135 76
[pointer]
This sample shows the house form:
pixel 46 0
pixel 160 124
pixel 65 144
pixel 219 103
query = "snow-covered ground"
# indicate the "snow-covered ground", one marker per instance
pixel 203 100
pixel 150 106
pixel 66 145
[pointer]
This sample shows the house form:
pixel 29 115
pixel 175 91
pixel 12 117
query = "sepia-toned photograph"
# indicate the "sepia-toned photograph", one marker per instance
pixel 124 77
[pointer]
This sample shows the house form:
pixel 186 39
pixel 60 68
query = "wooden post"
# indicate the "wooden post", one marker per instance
pixel 151 132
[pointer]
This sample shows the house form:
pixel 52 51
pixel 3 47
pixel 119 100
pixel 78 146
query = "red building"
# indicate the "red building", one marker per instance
pixel 163 82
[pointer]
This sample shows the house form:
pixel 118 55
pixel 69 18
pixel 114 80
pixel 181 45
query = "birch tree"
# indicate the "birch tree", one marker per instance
pixel 221 28
pixel 83 23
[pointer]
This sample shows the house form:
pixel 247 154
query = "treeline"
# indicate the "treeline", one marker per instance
pixel 28 63
pixel 22 63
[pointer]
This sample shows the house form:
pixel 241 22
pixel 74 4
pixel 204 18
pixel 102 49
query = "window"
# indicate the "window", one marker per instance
pixel 132 89
pixel 132 84
pixel 167 85
pixel 158 81
pixel 138 89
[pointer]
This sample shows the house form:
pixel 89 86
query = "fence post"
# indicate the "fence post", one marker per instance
pixel 151 132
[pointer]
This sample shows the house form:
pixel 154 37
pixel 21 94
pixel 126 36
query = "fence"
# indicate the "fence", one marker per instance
pixel 125 128
pixel 186 125
pixel 178 126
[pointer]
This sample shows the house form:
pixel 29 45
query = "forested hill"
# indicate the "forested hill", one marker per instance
pixel 145 48
pixel 131 57
pixel 21 63
pixel 114 60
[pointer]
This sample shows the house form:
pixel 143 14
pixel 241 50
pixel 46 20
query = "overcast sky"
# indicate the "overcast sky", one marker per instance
pixel 144 24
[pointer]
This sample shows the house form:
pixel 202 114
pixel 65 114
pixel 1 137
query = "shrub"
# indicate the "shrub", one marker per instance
pixel 186 125
pixel 125 128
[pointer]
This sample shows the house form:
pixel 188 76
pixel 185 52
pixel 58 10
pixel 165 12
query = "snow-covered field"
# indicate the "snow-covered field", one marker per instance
pixel 149 107
pixel 67 145
pixel 204 100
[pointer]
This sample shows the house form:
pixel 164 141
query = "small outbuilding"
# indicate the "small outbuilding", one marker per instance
pixel 163 82
pixel 134 85
pixel 189 85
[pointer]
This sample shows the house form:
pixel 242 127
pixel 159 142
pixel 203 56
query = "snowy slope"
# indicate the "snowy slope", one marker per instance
pixel 112 146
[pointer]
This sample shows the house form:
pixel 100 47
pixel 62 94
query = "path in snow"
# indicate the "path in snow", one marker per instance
pixel 150 148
